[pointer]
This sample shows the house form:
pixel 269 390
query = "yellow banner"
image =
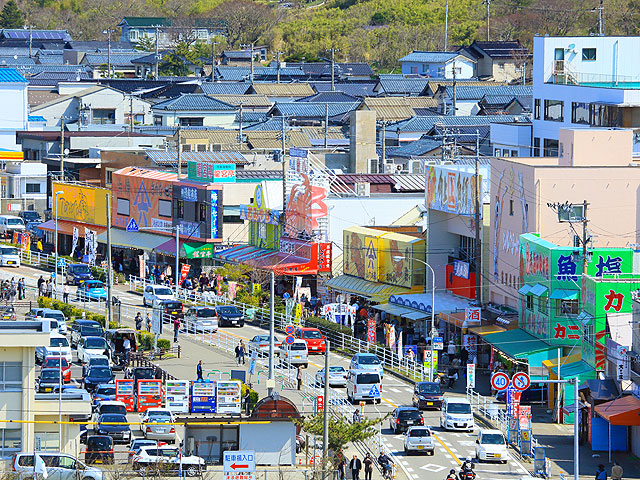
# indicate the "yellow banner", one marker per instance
pixel 79 203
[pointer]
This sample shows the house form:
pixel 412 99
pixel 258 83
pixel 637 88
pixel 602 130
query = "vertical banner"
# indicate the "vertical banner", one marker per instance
pixel 142 268
pixel 371 331
pixel 232 290
pixel 220 281
pixel 297 289
pixel 75 240
pixel 184 271
pixel 471 375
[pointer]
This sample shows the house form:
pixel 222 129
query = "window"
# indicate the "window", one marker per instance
pixel 32 188
pixel 543 304
pixel 164 208
pixel 576 241
pixel 466 249
pixel 133 34
pixel 554 110
pixel 10 377
pixel 580 113
pixel 530 302
pixel 589 336
pixel 425 68
pixel 511 208
pixel 414 70
pixel 109 176
pixel 567 308
pixel 262 231
pixel 550 148
pixel 10 442
pixel 103 116
pixel 122 206
pixel 201 148
pixel 514 153
pixel 536 146
pixel 203 212
pixel 180 208
pixel 496 152
pixel 191 121
pixel 157 120
pixel 558 54
pixel 536 109
pixel 588 54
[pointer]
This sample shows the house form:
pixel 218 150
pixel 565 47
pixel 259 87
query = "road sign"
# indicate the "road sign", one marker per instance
pixel 289 329
pixel 239 461
pixel 53 274
pixel 61 262
pixel 521 381
pixel 289 339
pixel 438 343
pixel 374 392
pixel 499 381
pixel 132 226
pixel 319 403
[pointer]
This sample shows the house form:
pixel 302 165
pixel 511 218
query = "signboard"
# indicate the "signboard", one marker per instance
pixel 79 203
pixel 229 395
pixel 216 213
pixel 471 375
pixel 397 256
pixel 305 206
pixel 470 343
pixel 210 172
pixel 124 393
pixel 499 381
pixel 438 343
pixel 203 396
pixel 298 152
pixel 520 381
pixel 184 271
pixel 371 331
pixel 427 360
pixel 525 442
pixel 449 189
pixel 156 321
pixel 319 403
pixel 472 315
pixel 461 269
pixel 189 194
pixel 239 461
pixel 253 362
pixel 299 164
pixel 524 416
pixel 132 226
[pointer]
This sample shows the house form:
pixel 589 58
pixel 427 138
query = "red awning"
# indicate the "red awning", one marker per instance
pixel 66 227
pixel 621 411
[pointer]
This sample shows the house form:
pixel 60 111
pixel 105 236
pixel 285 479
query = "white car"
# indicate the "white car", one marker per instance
pixel 367 361
pixel 166 458
pixel 337 376
pixel 156 293
pixel 491 446
pixel 9 256
pixel 419 439
pixel 159 424
pixel 261 344
pixel 90 347
pixel 58 347
pixel 295 353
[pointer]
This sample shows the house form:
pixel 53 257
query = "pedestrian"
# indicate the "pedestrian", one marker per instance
pixel 39 246
pixel 244 350
pixel 176 328
pixel 239 353
pixel 368 466
pixel 21 295
pixel 411 356
pixel 138 320
pixel 451 349
pixel 65 293
pixel 199 371
pixel 148 322
pixel 342 465
pixel 49 288
pixel 126 344
pixel 464 356
pixel 356 416
pixel 355 465
pixel 601 473
pixel 299 377
pixel 616 471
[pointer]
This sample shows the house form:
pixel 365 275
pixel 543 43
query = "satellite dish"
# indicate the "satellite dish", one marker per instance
pixel 15 57
pixel 66 151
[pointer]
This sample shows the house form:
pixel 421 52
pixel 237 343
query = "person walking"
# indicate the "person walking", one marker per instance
pixel 601 473
pixel 616 471
pixel 148 322
pixel 65 293
pixel 368 466
pixel 49 288
pixel 299 377
pixel 176 328
pixel 355 465
pixel 342 465
pixel 239 353
pixel 21 295
pixel 126 344
pixel 138 321
pixel 356 416
pixel 199 371
pixel 244 351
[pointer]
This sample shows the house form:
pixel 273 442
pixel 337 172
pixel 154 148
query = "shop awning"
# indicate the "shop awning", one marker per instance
pixel 187 249
pixel 378 292
pixel 560 294
pixel 486 330
pixel 517 343
pixel 403 312
pixel 445 302
pixel 525 289
pixel 66 227
pixel 141 240
pixel 603 390
pixel 281 263
pixel 573 369
pixel 538 290
pixel 621 411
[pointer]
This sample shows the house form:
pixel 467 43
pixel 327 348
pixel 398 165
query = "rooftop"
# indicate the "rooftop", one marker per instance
pixel 432 57
pixel 194 101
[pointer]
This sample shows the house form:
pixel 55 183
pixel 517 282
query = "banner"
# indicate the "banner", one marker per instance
pixel 75 240
pixel 471 375
pixel 297 289
pixel 232 290
pixel 371 331
pixel 184 271
pixel 142 268
pixel 220 281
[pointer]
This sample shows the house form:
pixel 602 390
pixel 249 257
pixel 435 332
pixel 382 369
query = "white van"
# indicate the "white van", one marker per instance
pixel 10 224
pixel 364 385
pixel 456 414
pixel 295 353
pixel 9 256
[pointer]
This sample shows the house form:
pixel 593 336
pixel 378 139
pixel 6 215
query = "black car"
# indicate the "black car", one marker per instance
pixel 29 216
pixel 95 376
pixel 536 393
pixel 84 328
pixel 49 378
pixel 114 425
pixel 404 417
pixel 78 273
pixel 99 449
pixel 229 315
pixel 172 309
pixel 7 312
pixel 427 395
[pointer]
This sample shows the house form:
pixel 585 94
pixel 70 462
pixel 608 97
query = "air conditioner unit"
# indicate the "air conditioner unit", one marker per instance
pixel 373 165
pixel 389 168
pixel 363 189
pixel 415 166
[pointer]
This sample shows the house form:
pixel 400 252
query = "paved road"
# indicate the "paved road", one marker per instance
pixel 452 447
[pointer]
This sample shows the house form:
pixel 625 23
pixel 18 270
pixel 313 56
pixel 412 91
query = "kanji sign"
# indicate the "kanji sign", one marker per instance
pixel 211 172
pixel 319 403
pixel 560 332
pixel 610 265
pixel 472 314
pixel 566 269
pixel 614 300
pixel 239 461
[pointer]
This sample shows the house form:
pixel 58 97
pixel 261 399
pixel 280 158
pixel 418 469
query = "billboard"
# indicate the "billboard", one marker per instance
pixel 353 242
pixel 80 203
pixel 451 190
pixel 305 206
pixel 210 172
pixel 396 252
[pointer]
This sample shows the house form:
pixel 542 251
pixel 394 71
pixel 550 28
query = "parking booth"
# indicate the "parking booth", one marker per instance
pixel 149 394
pixel 203 396
pixel 124 393
pixel 177 396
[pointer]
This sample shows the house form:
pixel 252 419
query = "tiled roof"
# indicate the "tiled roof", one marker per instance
pixel 354 89
pixel 172 90
pixel 38 97
pixel 464 92
pixel 25 34
pixel 346 69
pixel 271 124
pixel 100 46
pixel 403 182
pixel 498 49
pixel 416 148
pixel 51 59
pixel 325 97
pixel 497 99
pixel 35 69
pixel 251 117
pixel 429 57
pixel 397 108
pixel 14 61
pixel 53 78
pixel 11 75
pixel 244 73
pixel 424 124
pixel 373 178
pixel 19 51
pixel 222 88
pixel 194 101
pixel 129 85
pixel 245 100
pixel 312 109
pixel 240 54
pixel 283 89
pixel 117 59
pixel 402 86
pixel 145 21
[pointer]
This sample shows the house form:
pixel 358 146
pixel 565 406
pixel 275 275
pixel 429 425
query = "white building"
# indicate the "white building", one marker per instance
pixel 13 97
pixel 438 64
pixel 194 110
pixel 24 186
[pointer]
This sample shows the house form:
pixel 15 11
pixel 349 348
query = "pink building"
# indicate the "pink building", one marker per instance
pixel 594 164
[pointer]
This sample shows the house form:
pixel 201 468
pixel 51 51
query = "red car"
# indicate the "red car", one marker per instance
pixel 54 362
pixel 314 339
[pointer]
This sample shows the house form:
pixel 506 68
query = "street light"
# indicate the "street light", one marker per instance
pixel 55 280
pixel 59 192
pixel 433 305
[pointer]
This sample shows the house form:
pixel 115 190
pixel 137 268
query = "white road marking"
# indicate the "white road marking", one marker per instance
pixel 395 390
pixel 432 467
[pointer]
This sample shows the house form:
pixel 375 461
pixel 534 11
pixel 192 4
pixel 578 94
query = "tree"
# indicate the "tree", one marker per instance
pixel 11 16
pixel 146 44
pixel 246 21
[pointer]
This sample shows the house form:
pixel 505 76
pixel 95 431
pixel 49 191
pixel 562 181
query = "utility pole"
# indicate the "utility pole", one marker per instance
pixel 477 253
pixel 30 40
pixel 109 262
pixel 325 412
pixel 446 25
pixel 488 4
pixel 284 181
pixel 156 54
pixel 271 332
pixel 326 125
pixel 600 9
pixel 333 70
pixel 383 141
pixel 252 59
pixel 455 86
pixel 240 133
pixel 130 113
pixel 109 53
pixel 179 156
pixel 278 65
pixel 213 60
pixel 62 148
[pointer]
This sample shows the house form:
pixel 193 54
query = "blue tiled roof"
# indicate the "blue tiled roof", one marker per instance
pixel 222 88
pixel 360 90
pixel 50 59
pixel 35 69
pixel 251 117
pixel 272 124
pixel 117 59
pixel 11 61
pixel 471 92
pixel 417 148
pixel 497 99
pixel 424 124
pixel 244 73
pixel 11 75
pixel 429 57
pixel 402 85
pixel 325 97
pixel 194 101
pixel 312 109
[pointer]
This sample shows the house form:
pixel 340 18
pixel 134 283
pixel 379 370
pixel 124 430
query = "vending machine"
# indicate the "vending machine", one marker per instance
pixel 149 394
pixel 177 396
pixel 203 396
pixel 124 393
pixel 229 396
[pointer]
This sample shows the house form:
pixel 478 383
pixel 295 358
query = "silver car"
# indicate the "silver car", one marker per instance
pixel 337 376
pixel 60 466
pixel 419 439
pixel 159 424
pixel 261 344
pixel 200 319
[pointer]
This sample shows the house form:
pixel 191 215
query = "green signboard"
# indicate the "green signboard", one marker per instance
pixel 198 250
pixel 211 172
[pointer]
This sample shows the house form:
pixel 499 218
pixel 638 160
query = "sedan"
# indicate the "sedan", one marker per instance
pixel 49 378
pixel 337 376
pixel 159 427
pixel 261 344
pixel 95 376
pixel 116 426
pixel 91 290
pixel 404 417
pixel 55 362
pixel 229 315
pixel 419 439
pixel 103 392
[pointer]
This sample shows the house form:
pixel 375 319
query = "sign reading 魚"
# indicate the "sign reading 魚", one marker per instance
pixel 212 172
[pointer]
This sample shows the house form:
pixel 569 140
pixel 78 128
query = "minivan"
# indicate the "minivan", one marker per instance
pixel 456 414
pixel 295 353
pixel 60 466
pixel 491 446
pixel 363 385
pixel 367 361
pixel 10 224
pixel 9 256
pixel 201 319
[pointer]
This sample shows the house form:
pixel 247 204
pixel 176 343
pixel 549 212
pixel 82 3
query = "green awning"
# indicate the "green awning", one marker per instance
pixel 197 249
pixel 525 289
pixel 517 343
pixel 400 311
pixel 538 290
pixel 574 369
pixel 377 292
pixel 560 294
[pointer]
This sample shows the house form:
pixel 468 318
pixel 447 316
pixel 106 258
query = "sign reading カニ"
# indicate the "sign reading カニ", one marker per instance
pixel 79 203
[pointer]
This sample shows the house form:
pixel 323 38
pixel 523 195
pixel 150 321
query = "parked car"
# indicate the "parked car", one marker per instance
pixel 95 376
pixel 156 293
pixel 536 393
pixel 229 315
pixel 65 467
pixel 315 340
pixel 84 328
pixel 90 290
pixel 427 395
pixel 261 344
pixel 491 446
pixel 104 392
pixel 90 346
pixel 78 273
pixel 337 376
pixel 59 362
pixel 10 224
pixel 116 426
pixel 171 309
pixel 418 440
pixel 95 361
pixel 201 319
pixel 9 256
pixel 29 216
pixel 109 406
pixel 58 347
pixel 138 443
pixel 404 417
pixel 367 361
pixel 167 459
pixel 8 312
pixel 159 424
pixel 99 449
pixel 49 377
pixel 58 316
pixel 295 353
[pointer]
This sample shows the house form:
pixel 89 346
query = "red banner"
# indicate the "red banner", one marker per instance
pixel 142 269
pixel 371 331
pixel 184 271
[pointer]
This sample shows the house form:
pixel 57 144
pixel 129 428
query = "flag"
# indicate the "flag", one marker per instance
pixel 75 240
pixel 40 467
pixel 184 271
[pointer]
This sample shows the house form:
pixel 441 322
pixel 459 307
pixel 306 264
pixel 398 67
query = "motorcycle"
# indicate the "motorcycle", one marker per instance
pixel 467 475
pixel 388 471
